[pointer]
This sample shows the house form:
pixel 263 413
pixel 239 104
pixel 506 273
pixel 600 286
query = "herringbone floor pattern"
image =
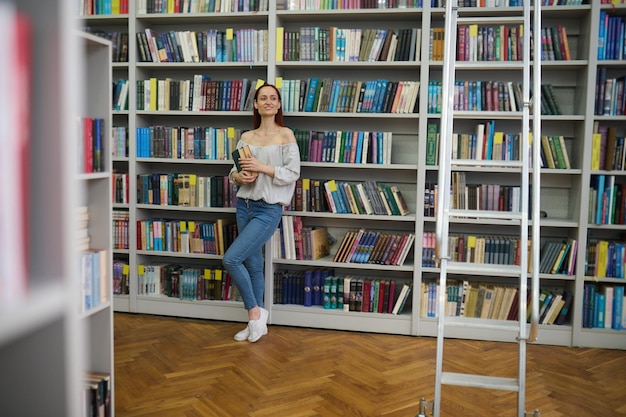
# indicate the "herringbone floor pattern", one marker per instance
pixel 173 367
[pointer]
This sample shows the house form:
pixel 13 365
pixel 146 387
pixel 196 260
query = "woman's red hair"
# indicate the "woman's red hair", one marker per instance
pixel 255 113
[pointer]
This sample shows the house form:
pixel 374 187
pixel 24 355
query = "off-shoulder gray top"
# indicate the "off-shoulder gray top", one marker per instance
pixel 285 159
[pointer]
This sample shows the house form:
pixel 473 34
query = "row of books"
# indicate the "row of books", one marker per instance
pixel 611 37
pixel 185 282
pixel 610 99
pixel 608 152
pixel 554 44
pixel 350 96
pixel 321 287
pixel 369 197
pixel 121 188
pixel 121 271
pixel 554 153
pixel 485 144
pixel 558 256
pixel 96 394
pixel 511 3
pixel 607 200
pixel 498 250
pixel 91 149
pixel 605 258
pixel 119 142
pixel 304 288
pixel 341 146
pixel 102 7
pixel 201 6
pixel 345 4
pixel 119 42
pixel 212 45
pixel 198 94
pixel 348 45
pixel 186 142
pixel 93 277
pixel 120 95
pixel 366 246
pixel 489 197
pixel 186 190
pixel 120 229
pixel 489 43
pixel 211 237
pixel 487 300
pixel 294 240
pixel 489 96
pixel 603 306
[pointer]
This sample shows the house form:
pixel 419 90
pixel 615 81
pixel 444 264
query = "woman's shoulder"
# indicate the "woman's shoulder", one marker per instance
pixel 287 135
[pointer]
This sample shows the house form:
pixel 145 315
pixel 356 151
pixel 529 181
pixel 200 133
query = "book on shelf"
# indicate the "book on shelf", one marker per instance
pixel 402 299
pixel 98 387
pixel 15 110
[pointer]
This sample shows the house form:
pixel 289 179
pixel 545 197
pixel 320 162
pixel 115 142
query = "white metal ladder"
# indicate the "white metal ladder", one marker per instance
pixel 444 213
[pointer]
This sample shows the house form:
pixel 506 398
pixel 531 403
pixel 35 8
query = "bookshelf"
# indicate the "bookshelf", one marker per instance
pixel 94 197
pixel 46 343
pixel 565 197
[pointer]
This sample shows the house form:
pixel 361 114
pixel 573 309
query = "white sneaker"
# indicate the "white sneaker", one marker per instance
pixel 243 335
pixel 258 328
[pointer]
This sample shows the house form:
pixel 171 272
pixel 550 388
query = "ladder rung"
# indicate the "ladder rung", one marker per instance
pixel 480 381
pixel 485 163
pixel 486 324
pixel 488 214
pixel 483 269
pixel 494 20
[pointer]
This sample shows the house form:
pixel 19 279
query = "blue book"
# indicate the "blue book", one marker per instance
pixel 600 200
pixel 318 282
pixel 311 93
pixel 98 151
pixel 602 35
pixel 618 306
pixel 359 147
pixel 308 288
pixel 599 310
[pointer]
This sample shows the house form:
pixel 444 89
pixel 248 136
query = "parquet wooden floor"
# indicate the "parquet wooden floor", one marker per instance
pixel 175 367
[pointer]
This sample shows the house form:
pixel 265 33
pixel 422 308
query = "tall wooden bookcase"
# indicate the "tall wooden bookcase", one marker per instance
pixel 46 344
pixel 565 192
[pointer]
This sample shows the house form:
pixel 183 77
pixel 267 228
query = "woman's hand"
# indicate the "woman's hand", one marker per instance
pixel 251 165
pixel 244 177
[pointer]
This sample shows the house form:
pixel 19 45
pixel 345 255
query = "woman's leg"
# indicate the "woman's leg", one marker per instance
pixel 256 223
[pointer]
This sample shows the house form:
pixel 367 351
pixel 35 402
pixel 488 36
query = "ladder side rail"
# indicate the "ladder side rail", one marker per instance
pixel 536 230
pixel 444 174
pixel 523 276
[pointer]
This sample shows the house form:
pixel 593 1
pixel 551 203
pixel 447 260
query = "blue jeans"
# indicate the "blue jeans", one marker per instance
pixel 256 223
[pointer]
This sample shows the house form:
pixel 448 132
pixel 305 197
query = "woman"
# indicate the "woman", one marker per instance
pixel 266 183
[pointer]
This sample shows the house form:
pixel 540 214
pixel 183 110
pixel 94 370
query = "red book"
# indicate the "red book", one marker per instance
pixel 88 143
pixel 392 293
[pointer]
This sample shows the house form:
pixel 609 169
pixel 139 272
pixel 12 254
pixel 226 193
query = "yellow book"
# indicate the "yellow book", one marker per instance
pixel 306 194
pixel 596 140
pixel 153 93
pixel 280 34
pixel 547 151
pixel 602 255
pixel 193 192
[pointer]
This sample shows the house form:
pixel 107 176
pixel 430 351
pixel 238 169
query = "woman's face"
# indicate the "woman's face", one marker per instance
pixel 267 101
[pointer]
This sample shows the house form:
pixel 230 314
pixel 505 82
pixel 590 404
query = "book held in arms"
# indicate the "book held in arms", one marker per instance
pixel 243 152
pixel 15 72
